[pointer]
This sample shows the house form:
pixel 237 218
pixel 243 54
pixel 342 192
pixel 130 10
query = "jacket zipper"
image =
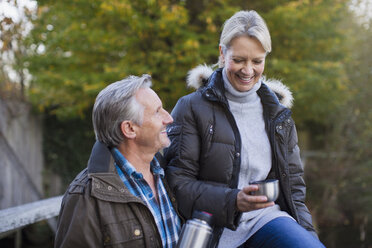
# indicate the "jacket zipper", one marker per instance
pixel 272 128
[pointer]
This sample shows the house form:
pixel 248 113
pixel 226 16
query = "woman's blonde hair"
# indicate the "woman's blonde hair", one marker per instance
pixel 244 23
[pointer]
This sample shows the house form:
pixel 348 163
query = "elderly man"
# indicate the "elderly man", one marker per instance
pixel 120 199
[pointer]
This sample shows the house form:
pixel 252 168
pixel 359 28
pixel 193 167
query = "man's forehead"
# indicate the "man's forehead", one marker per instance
pixel 148 96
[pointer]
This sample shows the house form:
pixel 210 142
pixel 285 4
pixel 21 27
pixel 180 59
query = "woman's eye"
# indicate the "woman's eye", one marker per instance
pixel 257 62
pixel 237 60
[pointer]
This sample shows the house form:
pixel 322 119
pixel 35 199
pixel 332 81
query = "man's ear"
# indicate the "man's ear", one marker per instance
pixel 128 129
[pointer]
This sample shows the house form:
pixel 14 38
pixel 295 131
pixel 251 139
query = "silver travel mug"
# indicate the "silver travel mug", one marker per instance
pixel 197 232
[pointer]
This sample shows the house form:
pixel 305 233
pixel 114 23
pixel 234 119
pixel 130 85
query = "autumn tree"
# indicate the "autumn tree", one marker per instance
pixel 13 30
pixel 342 181
pixel 81 46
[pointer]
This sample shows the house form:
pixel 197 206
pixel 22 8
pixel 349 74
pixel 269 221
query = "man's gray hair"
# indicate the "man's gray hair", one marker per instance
pixel 117 103
pixel 244 23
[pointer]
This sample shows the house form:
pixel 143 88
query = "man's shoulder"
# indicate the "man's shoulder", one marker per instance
pixel 106 187
pixel 82 182
pixel 78 185
pixel 76 191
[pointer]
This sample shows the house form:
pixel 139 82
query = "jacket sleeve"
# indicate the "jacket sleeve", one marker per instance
pixel 78 223
pixel 298 187
pixel 183 169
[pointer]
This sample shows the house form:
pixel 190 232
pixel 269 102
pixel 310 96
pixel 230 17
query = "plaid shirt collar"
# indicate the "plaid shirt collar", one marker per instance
pixel 124 165
pixel 166 218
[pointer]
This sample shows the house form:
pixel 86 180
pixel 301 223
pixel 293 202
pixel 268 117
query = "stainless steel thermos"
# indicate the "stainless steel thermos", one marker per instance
pixel 197 232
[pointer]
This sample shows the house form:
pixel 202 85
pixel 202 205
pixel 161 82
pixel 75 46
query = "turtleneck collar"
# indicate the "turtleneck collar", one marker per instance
pixel 237 96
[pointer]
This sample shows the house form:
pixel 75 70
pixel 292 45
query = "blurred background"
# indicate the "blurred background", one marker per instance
pixel 55 56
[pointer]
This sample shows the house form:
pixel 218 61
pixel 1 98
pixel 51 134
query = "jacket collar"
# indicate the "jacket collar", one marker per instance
pixel 201 76
pixel 271 102
pixel 101 159
pixel 215 91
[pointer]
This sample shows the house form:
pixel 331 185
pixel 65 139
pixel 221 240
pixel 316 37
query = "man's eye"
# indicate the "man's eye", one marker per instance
pixel 257 62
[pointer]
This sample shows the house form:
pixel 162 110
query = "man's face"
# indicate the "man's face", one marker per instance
pixel 152 133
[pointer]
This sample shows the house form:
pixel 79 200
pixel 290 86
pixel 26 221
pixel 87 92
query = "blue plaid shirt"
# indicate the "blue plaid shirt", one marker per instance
pixel 165 217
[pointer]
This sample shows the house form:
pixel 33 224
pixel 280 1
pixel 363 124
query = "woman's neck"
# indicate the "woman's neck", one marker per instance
pixel 238 96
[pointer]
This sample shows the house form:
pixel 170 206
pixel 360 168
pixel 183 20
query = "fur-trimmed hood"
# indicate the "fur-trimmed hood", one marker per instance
pixel 198 76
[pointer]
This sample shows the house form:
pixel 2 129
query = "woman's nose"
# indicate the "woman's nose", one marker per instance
pixel 248 69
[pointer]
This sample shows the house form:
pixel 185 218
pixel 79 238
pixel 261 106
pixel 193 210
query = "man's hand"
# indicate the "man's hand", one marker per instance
pixel 246 202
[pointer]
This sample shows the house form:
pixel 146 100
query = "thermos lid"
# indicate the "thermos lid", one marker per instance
pixel 202 215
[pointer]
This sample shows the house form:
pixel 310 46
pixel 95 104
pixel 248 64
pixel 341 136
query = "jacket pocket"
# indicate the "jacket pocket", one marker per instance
pixel 280 133
pixel 126 233
pixel 281 136
pixel 208 137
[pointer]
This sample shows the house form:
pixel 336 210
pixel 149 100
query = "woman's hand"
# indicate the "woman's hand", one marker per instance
pixel 246 202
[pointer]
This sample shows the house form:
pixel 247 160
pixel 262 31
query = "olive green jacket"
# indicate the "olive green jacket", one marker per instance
pixel 99 211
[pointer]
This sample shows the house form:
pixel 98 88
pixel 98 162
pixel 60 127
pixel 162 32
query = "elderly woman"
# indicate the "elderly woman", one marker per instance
pixel 234 130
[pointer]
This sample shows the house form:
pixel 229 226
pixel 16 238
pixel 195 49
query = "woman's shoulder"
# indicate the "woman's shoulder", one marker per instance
pixel 281 91
pixel 190 99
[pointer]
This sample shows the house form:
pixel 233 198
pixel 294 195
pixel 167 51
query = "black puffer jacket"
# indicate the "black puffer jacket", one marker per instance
pixel 204 155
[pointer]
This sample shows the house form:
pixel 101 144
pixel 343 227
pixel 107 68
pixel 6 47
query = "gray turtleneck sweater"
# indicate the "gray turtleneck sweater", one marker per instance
pixel 247 110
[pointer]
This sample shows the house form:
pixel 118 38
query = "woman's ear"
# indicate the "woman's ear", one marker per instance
pixel 128 129
pixel 222 49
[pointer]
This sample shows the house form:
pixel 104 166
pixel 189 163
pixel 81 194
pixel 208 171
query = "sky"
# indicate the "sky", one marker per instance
pixel 363 9
pixel 8 9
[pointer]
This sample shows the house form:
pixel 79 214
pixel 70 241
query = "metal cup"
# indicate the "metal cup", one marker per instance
pixel 268 188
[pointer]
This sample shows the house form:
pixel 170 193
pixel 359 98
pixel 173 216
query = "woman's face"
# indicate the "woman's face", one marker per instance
pixel 244 62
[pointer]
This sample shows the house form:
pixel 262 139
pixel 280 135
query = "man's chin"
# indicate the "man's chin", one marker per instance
pixel 166 144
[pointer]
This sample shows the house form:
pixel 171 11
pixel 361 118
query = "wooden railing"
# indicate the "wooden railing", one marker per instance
pixel 12 219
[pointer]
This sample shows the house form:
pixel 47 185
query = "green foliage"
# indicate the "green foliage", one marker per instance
pixel 309 55
pixel 76 48
pixel 67 145
pixel 89 44
pixel 341 183
pixel 206 20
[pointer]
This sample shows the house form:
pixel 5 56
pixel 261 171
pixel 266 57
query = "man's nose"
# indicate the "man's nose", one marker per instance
pixel 168 118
